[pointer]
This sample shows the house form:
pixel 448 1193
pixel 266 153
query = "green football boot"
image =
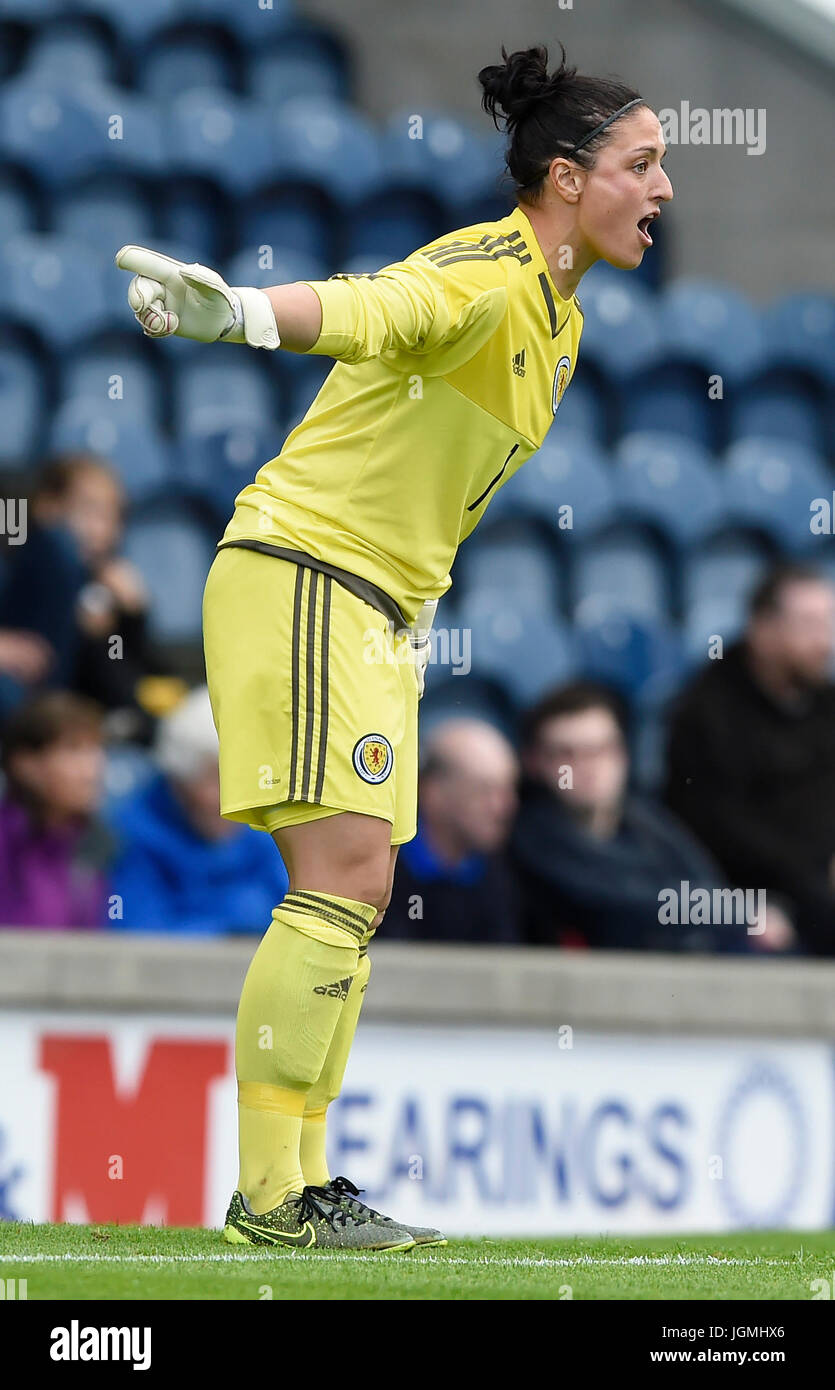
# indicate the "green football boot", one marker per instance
pixel 312 1220
pixel 343 1190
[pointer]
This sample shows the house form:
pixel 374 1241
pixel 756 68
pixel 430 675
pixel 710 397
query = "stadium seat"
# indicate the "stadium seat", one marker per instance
pixel 173 553
pixel 386 229
pixel 104 216
pixel 54 286
pixel 620 571
pixel 255 24
pixel 137 451
pixel 435 152
pixel 220 137
pixel 17 209
pixel 301 386
pixel 21 406
pixel 620 332
pixel 784 404
pixel 712 326
pixel 294 219
pixel 305 63
pixel 567 484
pixel 585 407
pixel 231 384
pixel 197 215
pixel 724 569
pixel 672 397
pixel 326 144
pixel 800 333
pixel 217 463
pixel 101 128
pixel 626 652
pixel 720 618
pixel 669 482
pixel 771 484
pixel 509 560
pixel 134 22
pixel 526 654
pixel 115 380
pixel 180 62
pixel 70 51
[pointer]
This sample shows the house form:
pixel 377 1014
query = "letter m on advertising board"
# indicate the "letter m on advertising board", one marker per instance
pixel 158 1130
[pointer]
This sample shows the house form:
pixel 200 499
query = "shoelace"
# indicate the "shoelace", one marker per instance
pixel 346 1191
pixel 317 1202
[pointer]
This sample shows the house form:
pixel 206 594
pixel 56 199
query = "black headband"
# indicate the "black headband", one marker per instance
pixel 636 101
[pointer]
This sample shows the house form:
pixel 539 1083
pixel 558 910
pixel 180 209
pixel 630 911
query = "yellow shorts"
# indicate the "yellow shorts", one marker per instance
pixel 314 697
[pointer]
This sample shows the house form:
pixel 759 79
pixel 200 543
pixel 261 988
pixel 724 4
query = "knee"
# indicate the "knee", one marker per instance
pixel 371 884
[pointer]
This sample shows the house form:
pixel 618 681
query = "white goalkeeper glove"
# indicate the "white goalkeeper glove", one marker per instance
pixel 420 633
pixel 191 301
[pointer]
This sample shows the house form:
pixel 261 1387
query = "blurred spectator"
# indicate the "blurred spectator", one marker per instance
pixel 70 595
pixel 752 752
pixel 594 861
pixel 52 847
pixel 452 882
pixel 181 867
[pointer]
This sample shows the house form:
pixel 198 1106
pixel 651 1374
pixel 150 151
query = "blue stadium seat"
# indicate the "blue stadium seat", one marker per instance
pixel 298 67
pixel 780 404
pixel 301 386
pixel 17 210
pixel 295 219
pixel 134 22
pixel 627 652
pixel 771 484
pixel 620 571
pixel 620 332
pixel 179 62
pixel 725 569
pixel 254 24
pixel 173 553
pixel 70 51
pixel 197 215
pixel 668 482
pixel 705 622
pixel 672 397
pixel 388 229
pixel 509 561
pixel 283 266
pixel 104 216
pixel 526 654
pixel 53 285
pixel 435 152
pixel 800 333
pixel 210 392
pixel 584 409
pixel 137 451
pixel 567 484
pixel 218 463
pixel 64 134
pixel 115 380
pixel 219 137
pixel 21 406
pixel 328 145
pixel 712 326
pixel 33 11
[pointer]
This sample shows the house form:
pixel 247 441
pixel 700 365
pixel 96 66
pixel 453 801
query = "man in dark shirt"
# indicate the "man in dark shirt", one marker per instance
pixel 452 882
pixel 598 867
pixel 751 764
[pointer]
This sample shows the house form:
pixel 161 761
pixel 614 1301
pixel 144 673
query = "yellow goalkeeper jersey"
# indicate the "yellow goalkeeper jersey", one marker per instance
pixel 450 367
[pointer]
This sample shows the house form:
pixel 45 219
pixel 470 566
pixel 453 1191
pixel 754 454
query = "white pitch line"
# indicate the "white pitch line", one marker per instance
pixel 493 1262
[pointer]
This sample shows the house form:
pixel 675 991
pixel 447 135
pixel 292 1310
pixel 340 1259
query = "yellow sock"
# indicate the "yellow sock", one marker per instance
pixel 296 986
pixel 312 1148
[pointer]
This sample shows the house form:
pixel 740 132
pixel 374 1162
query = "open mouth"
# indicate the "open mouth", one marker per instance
pixel 643 228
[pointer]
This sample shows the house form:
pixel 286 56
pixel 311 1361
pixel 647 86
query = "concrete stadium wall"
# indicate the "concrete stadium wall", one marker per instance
pixel 761 222
pixel 608 991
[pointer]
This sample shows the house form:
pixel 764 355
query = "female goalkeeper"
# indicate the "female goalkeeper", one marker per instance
pixel 450 366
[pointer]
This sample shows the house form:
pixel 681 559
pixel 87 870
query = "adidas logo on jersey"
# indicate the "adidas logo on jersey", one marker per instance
pixel 519 363
pixel 338 990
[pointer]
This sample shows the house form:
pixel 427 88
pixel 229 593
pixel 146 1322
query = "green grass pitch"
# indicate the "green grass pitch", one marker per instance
pixel 146 1262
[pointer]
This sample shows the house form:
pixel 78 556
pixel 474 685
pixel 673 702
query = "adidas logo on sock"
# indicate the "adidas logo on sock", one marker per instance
pixel 338 990
pixel 519 363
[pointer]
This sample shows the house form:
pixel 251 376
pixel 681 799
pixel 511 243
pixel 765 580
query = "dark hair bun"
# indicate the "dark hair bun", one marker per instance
pixel 516 85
